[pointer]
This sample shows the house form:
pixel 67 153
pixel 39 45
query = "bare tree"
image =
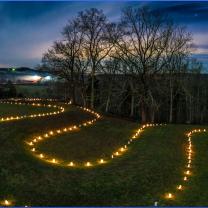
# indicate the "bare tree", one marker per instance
pixel 96 45
pixel 64 56
pixel 145 44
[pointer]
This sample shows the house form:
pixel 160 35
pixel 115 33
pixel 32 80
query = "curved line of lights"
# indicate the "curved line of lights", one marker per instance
pixel 7 202
pixel 11 118
pixel 33 143
pixel 187 171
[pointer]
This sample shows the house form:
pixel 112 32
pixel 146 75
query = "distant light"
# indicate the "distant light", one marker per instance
pixel 48 78
pixel 36 77
pixel 13 69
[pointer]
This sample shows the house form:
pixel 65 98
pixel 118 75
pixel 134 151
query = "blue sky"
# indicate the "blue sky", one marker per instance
pixel 27 29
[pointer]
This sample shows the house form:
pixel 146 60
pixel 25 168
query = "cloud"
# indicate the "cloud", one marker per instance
pixel 28 29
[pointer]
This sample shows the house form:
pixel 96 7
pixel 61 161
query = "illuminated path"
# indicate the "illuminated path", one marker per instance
pixel 59 109
pixel 188 165
pixel 31 144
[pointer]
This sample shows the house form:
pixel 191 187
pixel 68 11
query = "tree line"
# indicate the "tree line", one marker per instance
pixel 139 66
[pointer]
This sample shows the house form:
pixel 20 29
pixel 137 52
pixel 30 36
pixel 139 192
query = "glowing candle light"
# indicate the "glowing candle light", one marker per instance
pixel 71 164
pixel 88 164
pixel 54 161
pixel 7 203
pixel 185 178
pixel 117 153
pixel 30 143
pixel 51 132
pixel 33 149
pixel 187 172
pixel 179 187
pixel 41 156
pixel 122 149
pixel 101 161
pixel 169 195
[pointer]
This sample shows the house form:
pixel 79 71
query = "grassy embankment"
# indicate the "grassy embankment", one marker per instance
pixel 153 165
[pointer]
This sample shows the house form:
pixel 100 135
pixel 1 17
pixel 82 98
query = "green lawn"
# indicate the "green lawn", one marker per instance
pixel 196 191
pixel 153 165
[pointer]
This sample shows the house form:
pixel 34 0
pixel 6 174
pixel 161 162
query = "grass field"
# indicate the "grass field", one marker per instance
pixel 152 166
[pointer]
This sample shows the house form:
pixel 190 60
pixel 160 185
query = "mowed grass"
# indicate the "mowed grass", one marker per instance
pixel 152 166
pixel 89 143
pixel 196 191
pixel 7 110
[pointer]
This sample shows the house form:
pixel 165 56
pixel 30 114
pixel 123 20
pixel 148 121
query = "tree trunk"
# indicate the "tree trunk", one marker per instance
pixel 132 105
pixel 187 110
pixel 190 109
pixel 171 104
pixel 198 107
pixel 92 97
pixel 84 98
pixel 132 98
pixel 107 104
pixel 108 97
pixel 152 116
pixel 143 113
pixel 73 94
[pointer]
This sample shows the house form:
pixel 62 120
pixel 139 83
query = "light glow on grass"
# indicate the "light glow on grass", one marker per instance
pixel 16 102
pixel 120 151
pixel 6 202
pixel 169 196
pixel 189 157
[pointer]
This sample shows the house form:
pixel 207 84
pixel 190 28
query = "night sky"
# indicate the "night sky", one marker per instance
pixel 28 29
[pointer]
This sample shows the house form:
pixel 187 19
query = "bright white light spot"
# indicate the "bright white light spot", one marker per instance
pixel 36 77
pixel 48 78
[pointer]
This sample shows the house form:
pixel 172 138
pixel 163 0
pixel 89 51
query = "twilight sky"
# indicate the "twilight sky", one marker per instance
pixel 28 29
